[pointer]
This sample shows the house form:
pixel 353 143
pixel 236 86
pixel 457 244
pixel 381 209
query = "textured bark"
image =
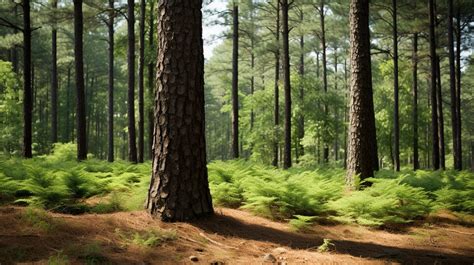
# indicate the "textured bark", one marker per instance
pixel 362 136
pixel 346 110
pixel 300 128
pixel 151 77
pixel 80 91
pixel 54 82
pixel 276 109
pixel 434 109
pixel 28 92
pixel 286 84
pixel 439 104
pixel 141 85
pixel 416 163
pixel 132 146
pixel 179 189
pixel 110 91
pixel 396 118
pixel 325 76
pixel 235 81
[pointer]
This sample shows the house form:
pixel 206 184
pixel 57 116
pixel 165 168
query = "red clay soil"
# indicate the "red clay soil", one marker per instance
pixel 229 237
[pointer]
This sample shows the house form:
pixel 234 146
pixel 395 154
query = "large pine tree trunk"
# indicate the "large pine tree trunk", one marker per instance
pixel 179 187
pixel 286 84
pixel 416 163
pixel 54 82
pixel 362 135
pixel 276 109
pixel 110 120
pixel 132 146
pixel 235 81
pixel 396 118
pixel 81 95
pixel 434 108
pixel 141 86
pixel 28 92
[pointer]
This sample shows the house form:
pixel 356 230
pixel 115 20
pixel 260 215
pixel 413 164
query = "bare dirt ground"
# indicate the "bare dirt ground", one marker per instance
pixel 229 237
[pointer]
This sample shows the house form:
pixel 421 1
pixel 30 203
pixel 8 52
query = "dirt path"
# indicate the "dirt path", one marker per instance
pixel 230 237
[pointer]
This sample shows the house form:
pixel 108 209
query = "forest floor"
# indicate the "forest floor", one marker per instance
pixel 229 237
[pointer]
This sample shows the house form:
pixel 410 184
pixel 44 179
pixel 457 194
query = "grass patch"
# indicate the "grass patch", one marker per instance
pixel 147 239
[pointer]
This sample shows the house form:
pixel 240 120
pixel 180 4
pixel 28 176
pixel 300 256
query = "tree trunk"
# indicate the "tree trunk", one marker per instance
pixel 141 86
pixel 458 88
pixel 439 103
pixel 151 77
pixel 286 84
pixel 179 189
pixel 132 146
pixel 54 81
pixel 27 98
pixel 452 84
pixel 276 111
pixel 110 120
pixel 346 116
pixel 434 108
pixel 362 135
pixel 396 118
pixel 68 137
pixel 416 163
pixel 81 95
pixel 336 111
pixel 325 77
pixel 301 72
pixel 235 81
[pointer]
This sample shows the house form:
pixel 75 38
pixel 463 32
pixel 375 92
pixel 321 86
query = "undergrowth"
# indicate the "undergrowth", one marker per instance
pixel 59 183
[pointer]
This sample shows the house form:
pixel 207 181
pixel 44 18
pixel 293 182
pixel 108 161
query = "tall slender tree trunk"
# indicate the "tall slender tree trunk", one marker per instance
pixel 110 120
pixel 141 85
pixel 54 81
pixel 276 110
pixel 235 81
pixel 416 163
pixel 458 87
pixel 439 103
pixel 179 189
pixel 301 73
pixel 286 84
pixel 325 77
pixel 81 95
pixel 132 137
pixel 452 84
pixel 28 92
pixel 68 137
pixel 346 110
pixel 396 118
pixel 336 111
pixel 434 108
pixel 362 134
pixel 151 76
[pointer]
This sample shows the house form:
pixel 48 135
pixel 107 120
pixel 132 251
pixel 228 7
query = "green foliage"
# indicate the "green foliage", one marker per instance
pixel 325 247
pixel 301 222
pixel 385 202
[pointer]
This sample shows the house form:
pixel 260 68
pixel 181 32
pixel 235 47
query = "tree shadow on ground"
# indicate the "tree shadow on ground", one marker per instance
pixel 231 227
